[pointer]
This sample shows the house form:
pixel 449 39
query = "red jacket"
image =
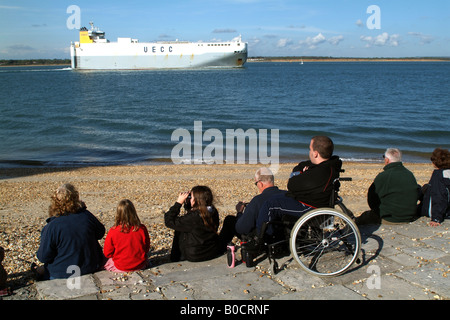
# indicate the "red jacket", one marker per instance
pixel 128 250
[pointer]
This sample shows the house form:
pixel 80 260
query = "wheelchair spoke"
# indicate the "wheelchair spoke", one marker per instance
pixel 315 259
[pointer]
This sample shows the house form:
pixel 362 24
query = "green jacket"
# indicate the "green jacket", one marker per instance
pixel 394 193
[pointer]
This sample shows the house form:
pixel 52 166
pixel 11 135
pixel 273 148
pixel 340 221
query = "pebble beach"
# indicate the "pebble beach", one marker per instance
pixel 25 197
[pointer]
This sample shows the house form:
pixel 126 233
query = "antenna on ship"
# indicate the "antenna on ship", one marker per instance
pixel 237 39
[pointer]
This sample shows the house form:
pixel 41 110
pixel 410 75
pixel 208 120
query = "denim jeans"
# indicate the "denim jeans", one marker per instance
pixel 274 209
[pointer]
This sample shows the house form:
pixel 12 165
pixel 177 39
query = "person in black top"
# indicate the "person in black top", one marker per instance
pixel 309 186
pixel 243 224
pixel 195 237
pixel 436 193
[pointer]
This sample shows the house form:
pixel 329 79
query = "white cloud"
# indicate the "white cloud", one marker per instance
pixel 284 42
pixel 336 40
pixel 312 43
pixel 383 39
pixel 359 23
pixel 394 40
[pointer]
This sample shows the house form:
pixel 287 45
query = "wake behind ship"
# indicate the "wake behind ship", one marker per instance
pixel 94 51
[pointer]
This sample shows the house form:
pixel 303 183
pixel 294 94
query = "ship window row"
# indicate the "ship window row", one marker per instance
pixel 219 44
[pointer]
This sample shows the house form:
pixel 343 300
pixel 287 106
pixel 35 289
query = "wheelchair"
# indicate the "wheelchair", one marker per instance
pixel 324 242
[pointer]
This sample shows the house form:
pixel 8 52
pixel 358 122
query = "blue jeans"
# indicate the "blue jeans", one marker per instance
pixel 274 209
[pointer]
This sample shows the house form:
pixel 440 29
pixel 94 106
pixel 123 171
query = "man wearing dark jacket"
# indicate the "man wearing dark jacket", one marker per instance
pixel 243 224
pixel 310 184
pixel 393 195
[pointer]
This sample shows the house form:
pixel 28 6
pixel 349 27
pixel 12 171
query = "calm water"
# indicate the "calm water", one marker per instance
pixel 56 116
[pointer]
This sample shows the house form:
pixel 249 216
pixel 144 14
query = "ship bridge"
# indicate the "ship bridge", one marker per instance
pixel 92 35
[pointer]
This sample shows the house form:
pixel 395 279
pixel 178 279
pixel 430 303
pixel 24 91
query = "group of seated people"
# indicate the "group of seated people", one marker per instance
pixel 71 235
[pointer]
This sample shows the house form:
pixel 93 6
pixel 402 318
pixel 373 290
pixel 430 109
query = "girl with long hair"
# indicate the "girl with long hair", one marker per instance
pixel 195 237
pixel 127 242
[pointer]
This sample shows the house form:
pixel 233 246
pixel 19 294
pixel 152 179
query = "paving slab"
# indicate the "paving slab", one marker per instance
pixel 333 292
pixel 389 287
pixel 432 277
pixel 82 287
pixel 399 262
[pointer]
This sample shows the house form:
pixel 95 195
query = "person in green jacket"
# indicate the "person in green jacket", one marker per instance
pixel 393 195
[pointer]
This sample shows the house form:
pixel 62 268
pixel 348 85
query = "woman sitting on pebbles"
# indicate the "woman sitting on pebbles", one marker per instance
pixel 69 242
pixel 195 237
pixel 436 193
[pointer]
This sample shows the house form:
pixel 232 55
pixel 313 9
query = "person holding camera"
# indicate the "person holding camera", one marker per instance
pixel 195 238
pixel 243 225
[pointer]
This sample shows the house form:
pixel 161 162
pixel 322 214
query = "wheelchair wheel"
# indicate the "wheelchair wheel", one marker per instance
pixel 325 242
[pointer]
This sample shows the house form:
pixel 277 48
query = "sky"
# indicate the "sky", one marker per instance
pixel 31 29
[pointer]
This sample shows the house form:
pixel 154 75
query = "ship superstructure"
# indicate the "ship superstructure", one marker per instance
pixel 94 51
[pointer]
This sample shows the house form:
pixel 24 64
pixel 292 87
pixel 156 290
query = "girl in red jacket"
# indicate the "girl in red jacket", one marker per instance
pixel 127 242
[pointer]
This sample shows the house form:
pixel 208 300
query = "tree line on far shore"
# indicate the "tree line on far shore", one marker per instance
pixel 28 62
pixel 323 58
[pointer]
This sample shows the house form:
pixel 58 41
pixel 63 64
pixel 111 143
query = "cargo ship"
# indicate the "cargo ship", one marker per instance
pixel 95 52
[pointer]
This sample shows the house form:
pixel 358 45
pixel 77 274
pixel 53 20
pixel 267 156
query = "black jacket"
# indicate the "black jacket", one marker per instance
pixel 71 239
pixel 313 186
pixel 436 201
pixel 197 242
pixel 246 222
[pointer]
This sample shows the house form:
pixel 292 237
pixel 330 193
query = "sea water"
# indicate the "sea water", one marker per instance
pixel 55 116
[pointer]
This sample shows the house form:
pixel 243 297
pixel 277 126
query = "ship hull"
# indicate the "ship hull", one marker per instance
pixel 168 55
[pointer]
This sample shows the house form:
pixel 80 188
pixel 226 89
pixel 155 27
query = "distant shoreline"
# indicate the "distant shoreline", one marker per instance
pixel 36 65
pixel 34 62
pixel 330 59
pixel 65 62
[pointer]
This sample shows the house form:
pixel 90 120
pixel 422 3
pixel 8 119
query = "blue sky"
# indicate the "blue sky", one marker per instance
pixel 338 28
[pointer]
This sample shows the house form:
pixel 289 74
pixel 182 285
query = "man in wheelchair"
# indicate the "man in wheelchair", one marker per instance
pixel 310 186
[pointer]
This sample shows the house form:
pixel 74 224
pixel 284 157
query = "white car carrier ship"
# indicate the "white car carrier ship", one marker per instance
pixel 94 51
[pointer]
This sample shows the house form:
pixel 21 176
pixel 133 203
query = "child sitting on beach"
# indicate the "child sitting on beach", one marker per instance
pixel 127 242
